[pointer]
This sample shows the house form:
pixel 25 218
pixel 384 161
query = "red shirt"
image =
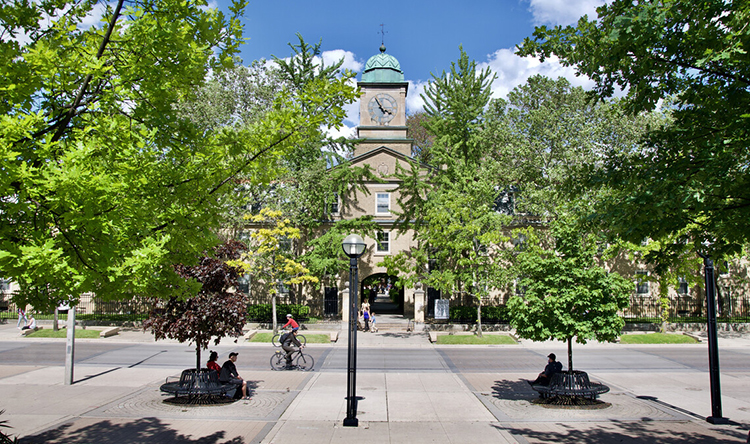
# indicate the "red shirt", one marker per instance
pixel 212 365
pixel 291 322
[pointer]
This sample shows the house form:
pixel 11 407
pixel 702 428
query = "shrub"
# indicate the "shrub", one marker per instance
pixel 468 314
pixel 264 312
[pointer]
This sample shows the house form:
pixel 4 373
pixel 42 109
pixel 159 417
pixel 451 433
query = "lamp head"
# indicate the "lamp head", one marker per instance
pixel 353 246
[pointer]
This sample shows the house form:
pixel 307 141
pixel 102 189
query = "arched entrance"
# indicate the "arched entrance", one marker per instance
pixel 380 291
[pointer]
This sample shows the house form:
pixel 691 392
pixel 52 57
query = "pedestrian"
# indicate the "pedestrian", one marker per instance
pixel 31 325
pixel 21 317
pixel 366 318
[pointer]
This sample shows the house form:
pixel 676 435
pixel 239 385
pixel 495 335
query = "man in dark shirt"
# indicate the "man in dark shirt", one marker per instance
pixel 550 369
pixel 229 374
pixel 289 343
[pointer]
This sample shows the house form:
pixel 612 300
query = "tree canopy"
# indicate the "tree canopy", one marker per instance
pixel 105 182
pixel 563 291
pixel 691 182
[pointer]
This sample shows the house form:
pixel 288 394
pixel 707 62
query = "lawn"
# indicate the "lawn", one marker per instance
pixel 657 338
pixel 473 339
pixel 62 333
pixel 312 338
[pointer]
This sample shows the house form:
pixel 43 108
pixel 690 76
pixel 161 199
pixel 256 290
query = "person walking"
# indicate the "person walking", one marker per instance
pixel 21 317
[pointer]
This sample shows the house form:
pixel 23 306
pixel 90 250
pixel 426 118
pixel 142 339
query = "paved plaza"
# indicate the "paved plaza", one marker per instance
pixel 411 392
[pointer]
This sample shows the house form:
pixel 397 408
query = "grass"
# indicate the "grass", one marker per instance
pixel 657 338
pixel 473 339
pixel 312 338
pixel 62 333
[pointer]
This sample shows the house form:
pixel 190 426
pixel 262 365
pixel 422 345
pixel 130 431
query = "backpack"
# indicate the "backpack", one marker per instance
pixel 283 338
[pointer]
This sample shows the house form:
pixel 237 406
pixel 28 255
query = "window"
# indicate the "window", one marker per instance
pixel 520 242
pixel 285 244
pixel 683 287
pixel 334 207
pixel 243 284
pixel 641 286
pixel 383 204
pixel 384 242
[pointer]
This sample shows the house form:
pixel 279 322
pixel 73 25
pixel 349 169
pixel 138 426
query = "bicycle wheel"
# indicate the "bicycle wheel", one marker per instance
pixel 302 340
pixel 275 340
pixel 278 361
pixel 305 362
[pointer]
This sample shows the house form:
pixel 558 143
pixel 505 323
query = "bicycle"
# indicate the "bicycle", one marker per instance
pixel 275 340
pixel 302 361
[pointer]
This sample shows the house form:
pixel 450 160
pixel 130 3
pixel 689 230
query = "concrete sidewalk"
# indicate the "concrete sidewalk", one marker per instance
pixel 448 405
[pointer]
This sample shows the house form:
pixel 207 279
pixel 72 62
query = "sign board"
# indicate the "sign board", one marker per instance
pixel 441 309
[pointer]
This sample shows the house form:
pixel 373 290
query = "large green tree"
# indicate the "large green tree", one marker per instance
pixel 564 292
pixel 450 205
pixel 548 133
pixel 105 182
pixel 691 184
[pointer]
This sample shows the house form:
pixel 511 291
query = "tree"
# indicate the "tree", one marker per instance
pixel 547 134
pixel 451 207
pixel 105 182
pixel 270 256
pixel 423 140
pixel 692 181
pixel 565 292
pixel 216 311
pixel 681 266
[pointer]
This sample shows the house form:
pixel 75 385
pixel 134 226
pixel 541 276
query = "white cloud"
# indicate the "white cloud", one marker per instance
pixel 513 70
pixel 350 61
pixel 562 12
pixel 414 102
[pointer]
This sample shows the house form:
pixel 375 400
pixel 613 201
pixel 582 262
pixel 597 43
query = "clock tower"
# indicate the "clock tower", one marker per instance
pixel 382 106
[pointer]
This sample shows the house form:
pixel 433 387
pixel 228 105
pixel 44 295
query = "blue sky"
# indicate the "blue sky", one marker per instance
pixel 423 35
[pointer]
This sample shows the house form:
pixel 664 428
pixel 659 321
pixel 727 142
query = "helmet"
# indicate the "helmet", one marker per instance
pixel 289 315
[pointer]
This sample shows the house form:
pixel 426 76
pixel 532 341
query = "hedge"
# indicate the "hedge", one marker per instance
pixel 490 314
pixel 264 312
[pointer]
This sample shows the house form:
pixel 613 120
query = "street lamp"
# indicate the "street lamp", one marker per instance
pixel 353 247
pixel 713 343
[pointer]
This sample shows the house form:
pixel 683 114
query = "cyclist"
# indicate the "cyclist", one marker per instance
pixel 290 322
pixel 288 343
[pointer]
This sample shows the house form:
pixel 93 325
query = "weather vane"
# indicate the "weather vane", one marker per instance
pixel 383 33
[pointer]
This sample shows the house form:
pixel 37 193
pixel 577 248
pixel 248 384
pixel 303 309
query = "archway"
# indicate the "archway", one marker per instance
pixel 380 291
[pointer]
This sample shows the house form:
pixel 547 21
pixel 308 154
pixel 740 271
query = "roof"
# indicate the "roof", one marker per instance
pixel 383 68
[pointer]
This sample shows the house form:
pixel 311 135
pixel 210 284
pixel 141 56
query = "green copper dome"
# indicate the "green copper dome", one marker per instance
pixel 383 68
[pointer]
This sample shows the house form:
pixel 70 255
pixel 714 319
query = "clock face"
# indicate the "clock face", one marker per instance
pixel 382 108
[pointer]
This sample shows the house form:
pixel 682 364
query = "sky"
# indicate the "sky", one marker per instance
pixel 424 36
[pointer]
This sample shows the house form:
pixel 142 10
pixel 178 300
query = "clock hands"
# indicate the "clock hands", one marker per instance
pixel 382 108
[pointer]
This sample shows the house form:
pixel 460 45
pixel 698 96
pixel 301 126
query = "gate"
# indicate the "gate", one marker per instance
pixel 331 302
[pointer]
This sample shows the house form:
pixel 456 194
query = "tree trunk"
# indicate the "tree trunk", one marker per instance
pixel 197 357
pixel 55 325
pixel 479 317
pixel 273 314
pixel 570 355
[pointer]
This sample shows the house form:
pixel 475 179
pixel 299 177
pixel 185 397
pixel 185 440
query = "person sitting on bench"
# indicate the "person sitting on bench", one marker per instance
pixel 229 374
pixel 550 369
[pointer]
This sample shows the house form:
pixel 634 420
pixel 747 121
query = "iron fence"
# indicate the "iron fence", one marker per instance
pixel 89 308
pixel 686 308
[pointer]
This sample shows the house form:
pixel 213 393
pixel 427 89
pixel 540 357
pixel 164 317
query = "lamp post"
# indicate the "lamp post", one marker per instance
pixel 713 343
pixel 353 246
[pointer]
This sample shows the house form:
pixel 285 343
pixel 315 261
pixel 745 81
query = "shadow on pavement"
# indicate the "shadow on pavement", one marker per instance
pixel 145 431
pixel 630 432
pixel 513 390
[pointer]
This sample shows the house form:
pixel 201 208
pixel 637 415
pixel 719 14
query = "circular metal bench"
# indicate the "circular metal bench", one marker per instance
pixel 575 383
pixel 195 383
